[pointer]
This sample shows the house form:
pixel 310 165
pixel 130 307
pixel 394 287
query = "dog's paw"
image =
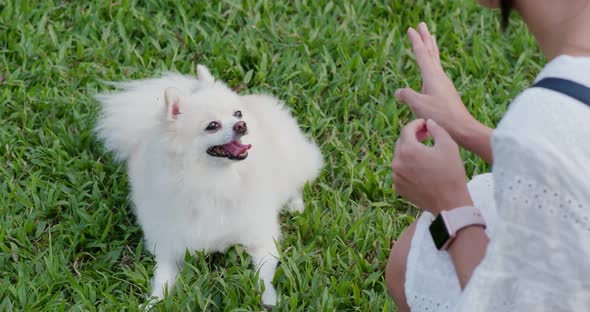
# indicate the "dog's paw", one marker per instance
pixel 269 297
pixel 151 300
pixel 148 305
pixel 296 205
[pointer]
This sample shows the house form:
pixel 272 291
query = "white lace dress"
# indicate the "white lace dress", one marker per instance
pixel 537 205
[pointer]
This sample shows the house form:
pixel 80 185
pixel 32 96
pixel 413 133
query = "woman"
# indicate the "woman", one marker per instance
pixel 531 249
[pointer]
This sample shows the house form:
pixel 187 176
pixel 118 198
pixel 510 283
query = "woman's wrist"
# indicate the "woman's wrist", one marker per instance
pixel 458 197
pixel 468 132
pixel 476 137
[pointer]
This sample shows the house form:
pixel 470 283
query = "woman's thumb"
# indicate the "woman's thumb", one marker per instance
pixel 409 96
pixel 438 133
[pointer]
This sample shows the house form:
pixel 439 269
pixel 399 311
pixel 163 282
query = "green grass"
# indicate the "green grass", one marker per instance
pixel 68 240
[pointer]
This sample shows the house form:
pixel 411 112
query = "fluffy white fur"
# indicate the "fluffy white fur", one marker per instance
pixel 185 198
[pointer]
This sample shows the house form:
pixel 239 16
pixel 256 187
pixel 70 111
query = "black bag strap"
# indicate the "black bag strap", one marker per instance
pixel 573 89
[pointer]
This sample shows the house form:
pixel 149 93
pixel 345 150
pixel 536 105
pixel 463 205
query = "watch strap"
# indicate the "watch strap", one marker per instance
pixel 459 218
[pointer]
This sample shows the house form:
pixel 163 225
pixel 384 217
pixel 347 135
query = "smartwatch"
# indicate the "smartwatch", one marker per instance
pixel 445 226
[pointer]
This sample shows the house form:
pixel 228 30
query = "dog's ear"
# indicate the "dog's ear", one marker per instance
pixel 204 75
pixel 174 99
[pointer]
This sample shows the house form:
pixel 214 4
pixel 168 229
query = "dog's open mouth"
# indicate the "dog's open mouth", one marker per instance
pixel 233 150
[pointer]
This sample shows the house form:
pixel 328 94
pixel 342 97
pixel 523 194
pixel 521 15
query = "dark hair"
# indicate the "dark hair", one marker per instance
pixel 505 9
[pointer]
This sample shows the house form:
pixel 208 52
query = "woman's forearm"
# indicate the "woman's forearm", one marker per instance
pixel 467 251
pixel 477 138
pixel 471 243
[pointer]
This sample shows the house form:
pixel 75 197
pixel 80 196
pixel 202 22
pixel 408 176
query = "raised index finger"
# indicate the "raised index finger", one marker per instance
pixel 429 42
pixel 423 57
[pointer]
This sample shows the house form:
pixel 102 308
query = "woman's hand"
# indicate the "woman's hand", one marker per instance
pixel 440 100
pixel 432 178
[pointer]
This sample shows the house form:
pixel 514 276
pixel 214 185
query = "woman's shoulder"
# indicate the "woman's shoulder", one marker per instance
pixel 549 116
pixel 547 130
pixel 576 68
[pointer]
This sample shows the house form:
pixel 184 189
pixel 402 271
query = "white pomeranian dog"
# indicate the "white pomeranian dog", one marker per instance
pixel 208 168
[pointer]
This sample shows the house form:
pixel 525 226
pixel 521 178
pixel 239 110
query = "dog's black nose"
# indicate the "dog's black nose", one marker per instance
pixel 240 127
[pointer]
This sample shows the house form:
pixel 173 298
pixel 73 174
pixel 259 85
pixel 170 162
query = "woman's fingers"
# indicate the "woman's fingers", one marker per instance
pixel 429 42
pixel 440 136
pixel 414 132
pixel 414 99
pixel 423 57
pixel 436 50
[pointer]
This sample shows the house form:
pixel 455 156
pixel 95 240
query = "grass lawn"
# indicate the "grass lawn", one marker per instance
pixel 68 238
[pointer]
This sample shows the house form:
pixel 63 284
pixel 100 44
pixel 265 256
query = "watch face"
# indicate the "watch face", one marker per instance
pixel 439 232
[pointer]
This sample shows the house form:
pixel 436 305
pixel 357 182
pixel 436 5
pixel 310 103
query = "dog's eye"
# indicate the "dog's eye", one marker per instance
pixel 238 114
pixel 214 125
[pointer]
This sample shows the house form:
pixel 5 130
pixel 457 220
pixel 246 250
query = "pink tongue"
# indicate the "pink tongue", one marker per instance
pixel 236 148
